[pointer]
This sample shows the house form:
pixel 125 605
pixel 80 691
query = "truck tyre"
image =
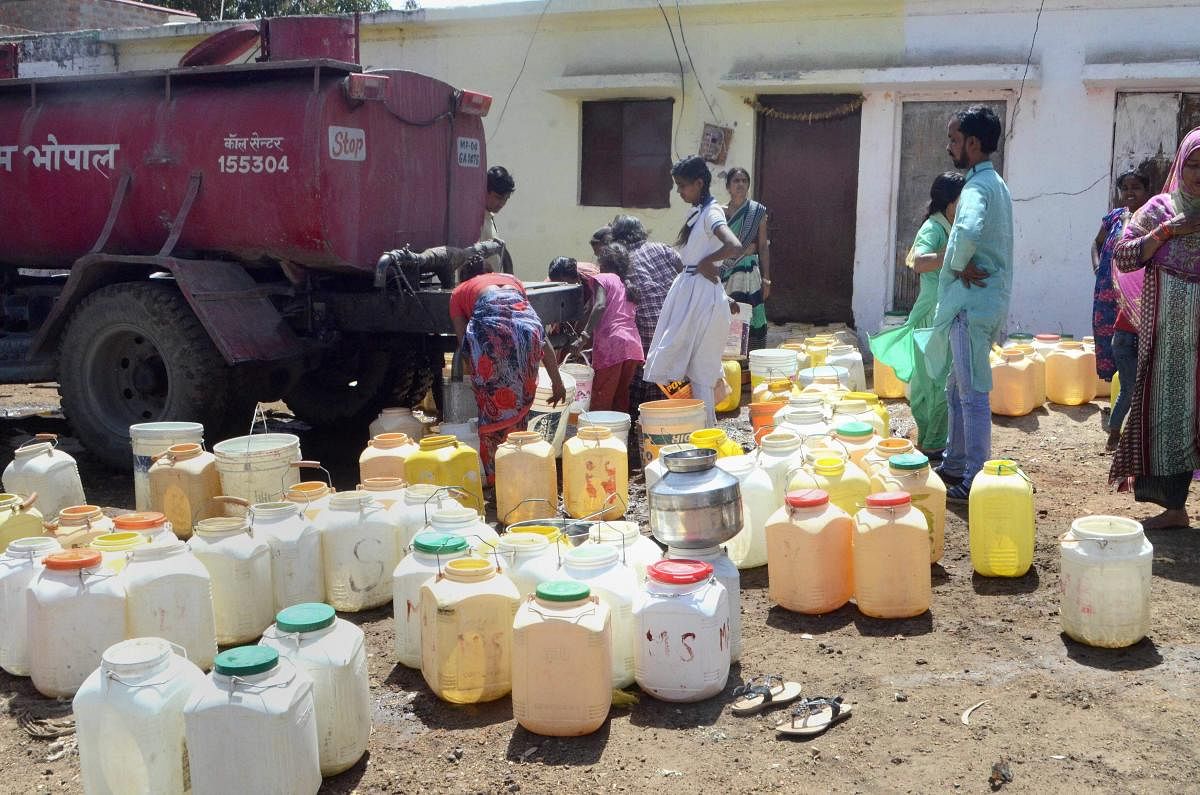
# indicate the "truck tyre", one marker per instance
pixel 132 353
pixel 415 372
pixel 347 389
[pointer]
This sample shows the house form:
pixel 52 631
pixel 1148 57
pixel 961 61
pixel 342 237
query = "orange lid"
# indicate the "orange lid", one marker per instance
pixel 888 499
pixel 143 520
pixel 73 560
pixel 807 498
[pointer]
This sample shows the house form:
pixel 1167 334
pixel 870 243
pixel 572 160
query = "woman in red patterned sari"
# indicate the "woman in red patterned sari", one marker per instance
pixel 503 339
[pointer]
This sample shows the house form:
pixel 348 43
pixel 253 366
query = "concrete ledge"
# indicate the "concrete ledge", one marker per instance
pixel 644 84
pixel 1181 75
pixel 953 76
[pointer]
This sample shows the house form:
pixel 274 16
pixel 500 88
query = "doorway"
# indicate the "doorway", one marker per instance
pixel 922 157
pixel 807 176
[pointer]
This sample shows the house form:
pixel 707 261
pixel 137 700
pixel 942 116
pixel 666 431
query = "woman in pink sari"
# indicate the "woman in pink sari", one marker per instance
pixel 1160 445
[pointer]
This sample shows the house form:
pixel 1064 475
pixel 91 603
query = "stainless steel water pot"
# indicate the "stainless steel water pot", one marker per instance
pixel 695 504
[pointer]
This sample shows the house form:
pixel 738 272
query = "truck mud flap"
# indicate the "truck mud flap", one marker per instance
pixel 236 312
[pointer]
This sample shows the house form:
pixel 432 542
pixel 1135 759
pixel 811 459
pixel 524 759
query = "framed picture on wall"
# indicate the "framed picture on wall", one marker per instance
pixel 714 143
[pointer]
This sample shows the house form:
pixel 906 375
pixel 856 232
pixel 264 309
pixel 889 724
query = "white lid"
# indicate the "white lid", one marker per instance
pixel 1106 528
pixel 454 516
pixel 592 556
pixel 32 547
pixel 350 500
pixel 136 656
pixel 158 550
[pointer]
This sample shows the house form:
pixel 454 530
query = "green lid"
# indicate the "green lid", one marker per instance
pixel 1065 336
pixel 563 591
pixel 854 429
pixel 306 617
pixel 909 461
pixel 1020 335
pixel 439 543
pixel 246 661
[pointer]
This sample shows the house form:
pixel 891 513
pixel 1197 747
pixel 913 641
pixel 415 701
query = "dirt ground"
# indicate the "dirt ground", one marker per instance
pixel 1063 717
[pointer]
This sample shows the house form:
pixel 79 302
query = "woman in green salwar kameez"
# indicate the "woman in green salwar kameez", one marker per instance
pixel 895 347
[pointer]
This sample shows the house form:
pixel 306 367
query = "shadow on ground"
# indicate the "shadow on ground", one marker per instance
pixel 1138 657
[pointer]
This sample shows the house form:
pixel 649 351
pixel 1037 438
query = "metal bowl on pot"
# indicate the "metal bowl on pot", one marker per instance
pixel 573 531
pixel 696 504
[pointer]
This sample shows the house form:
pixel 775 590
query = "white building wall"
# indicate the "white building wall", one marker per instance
pixel 1057 162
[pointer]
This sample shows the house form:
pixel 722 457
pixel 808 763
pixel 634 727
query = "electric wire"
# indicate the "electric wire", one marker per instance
pixel 682 84
pixel 521 71
pixel 683 38
pixel 1037 23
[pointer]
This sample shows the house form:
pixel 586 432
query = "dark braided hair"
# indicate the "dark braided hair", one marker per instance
pixel 946 188
pixel 691 169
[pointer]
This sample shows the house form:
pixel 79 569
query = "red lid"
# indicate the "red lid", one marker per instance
pixel 807 498
pixel 679 571
pixel 888 499
pixel 1048 337
pixel 143 520
pixel 73 559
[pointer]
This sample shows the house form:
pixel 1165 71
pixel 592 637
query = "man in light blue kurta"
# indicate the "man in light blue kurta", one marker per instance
pixel 974 287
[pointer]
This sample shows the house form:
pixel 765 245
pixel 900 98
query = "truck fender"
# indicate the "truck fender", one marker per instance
pixel 234 309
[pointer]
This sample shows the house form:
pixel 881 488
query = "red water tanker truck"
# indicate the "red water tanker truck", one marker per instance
pixel 181 243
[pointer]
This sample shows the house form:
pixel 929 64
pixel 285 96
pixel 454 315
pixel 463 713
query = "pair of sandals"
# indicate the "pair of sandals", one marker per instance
pixel 811 716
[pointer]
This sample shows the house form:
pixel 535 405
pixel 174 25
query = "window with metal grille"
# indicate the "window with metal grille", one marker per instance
pixel 625 157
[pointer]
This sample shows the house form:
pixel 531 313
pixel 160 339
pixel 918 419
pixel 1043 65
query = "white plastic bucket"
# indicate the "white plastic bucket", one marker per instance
pixel 129 719
pixel 809 374
pixel 666 422
pixel 257 468
pixel 738 341
pixel 19 565
pixel 583 376
pixel 1105 581
pixel 466 432
pixel 149 439
pixel 616 421
pixel 251 728
pixel 769 363
pixel 333 652
pixel 550 421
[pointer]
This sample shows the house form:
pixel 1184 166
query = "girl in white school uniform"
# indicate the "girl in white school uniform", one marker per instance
pixel 694 322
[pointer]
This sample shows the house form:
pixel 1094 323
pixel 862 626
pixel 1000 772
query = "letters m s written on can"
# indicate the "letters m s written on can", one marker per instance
pixel 347 143
pixel 470 153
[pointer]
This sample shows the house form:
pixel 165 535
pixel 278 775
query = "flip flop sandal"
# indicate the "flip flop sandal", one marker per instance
pixel 814 715
pixel 757 693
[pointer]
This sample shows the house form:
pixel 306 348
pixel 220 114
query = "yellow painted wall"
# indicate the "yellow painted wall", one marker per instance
pixel 538 137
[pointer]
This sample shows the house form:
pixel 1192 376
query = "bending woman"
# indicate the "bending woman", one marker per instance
pixel 694 321
pixel 895 347
pixel 503 339
pixel 748 279
pixel 1159 447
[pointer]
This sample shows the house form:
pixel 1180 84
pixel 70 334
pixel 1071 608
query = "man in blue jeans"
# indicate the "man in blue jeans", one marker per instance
pixel 974 287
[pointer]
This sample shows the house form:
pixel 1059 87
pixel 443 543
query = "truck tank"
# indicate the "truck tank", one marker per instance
pixel 238 233
pixel 312 163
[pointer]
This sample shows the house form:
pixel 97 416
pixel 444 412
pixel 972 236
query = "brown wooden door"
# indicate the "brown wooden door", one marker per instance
pixel 807 176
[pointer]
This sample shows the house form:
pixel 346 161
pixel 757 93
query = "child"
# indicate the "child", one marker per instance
pixel 694 322
pixel 612 333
